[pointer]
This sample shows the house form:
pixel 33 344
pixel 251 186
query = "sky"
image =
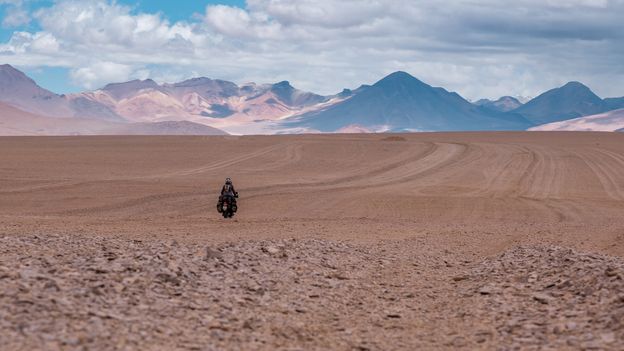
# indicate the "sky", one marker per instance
pixel 478 48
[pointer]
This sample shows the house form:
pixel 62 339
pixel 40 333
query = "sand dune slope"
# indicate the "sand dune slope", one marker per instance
pixel 14 122
pixel 602 122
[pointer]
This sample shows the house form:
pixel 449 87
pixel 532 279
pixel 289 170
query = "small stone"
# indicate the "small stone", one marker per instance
pixel 591 345
pixel 558 329
pixel 212 254
pixel 460 278
pixel 571 325
pixel 611 272
pixel 543 298
pixel 486 290
pixel 338 275
pixel 168 278
pixel 608 338
pixel 271 250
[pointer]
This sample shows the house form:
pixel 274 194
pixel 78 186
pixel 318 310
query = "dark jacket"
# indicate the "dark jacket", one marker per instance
pixel 228 190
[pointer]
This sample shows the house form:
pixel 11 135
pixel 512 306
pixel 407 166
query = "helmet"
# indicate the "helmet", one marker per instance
pixel 228 181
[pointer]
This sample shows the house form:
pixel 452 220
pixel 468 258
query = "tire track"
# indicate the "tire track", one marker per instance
pixel 429 149
pixel 65 185
pixel 543 178
pixel 604 177
pixel 175 195
pixel 613 170
pixel 501 171
pixel 222 164
pixel 531 174
pixel 435 162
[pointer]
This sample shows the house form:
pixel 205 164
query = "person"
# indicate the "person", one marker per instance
pixel 228 190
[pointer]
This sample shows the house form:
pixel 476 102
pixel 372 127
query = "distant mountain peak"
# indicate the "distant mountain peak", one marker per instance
pixel 401 102
pixel 194 82
pixel 10 75
pixel 282 85
pixel 136 84
pixel 575 85
pixel 503 104
pixel 571 100
pixel 507 97
pixel 399 75
pixel 9 68
pixel 291 96
pixel 399 78
pixel 345 93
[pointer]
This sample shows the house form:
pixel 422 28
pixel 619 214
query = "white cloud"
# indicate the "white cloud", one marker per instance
pixel 100 73
pixel 15 14
pixel 100 23
pixel 43 42
pixel 576 3
pixel 326 14
pixel 479 48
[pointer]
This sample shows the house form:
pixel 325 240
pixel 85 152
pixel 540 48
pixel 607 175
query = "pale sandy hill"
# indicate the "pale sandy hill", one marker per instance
pixel 163 128
pixel 14 121
pixel 353 129
pixel 602 122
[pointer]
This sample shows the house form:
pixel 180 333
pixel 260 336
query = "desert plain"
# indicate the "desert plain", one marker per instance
pixel 505 241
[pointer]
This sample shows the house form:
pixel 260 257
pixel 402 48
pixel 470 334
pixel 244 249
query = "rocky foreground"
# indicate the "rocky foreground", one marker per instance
pixel 80 292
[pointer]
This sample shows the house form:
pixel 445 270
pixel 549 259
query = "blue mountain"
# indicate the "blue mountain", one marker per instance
pixel 569 101
pixel 614 103
pixel 401 102
pixel 504 104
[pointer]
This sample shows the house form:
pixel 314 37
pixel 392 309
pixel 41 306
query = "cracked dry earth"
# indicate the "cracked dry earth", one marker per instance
pixel 492 241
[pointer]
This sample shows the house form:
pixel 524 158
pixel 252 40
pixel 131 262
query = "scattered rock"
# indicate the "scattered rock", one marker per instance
pixel 338 275
pixel 271 250
pixel 486 290
pixel 212 254
pixel 608 338
pixel 57 292
pixel 543 298
pixel 571 288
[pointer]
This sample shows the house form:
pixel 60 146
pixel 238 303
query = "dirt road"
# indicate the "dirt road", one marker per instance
pixel 437 241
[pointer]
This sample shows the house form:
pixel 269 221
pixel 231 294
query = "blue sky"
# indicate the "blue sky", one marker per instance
pixel 479 48
pixel 177 10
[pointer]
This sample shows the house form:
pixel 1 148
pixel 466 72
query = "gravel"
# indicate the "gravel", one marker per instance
pixel 77 292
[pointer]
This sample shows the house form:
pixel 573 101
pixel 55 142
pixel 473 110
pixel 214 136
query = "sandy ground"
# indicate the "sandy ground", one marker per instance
pixel 432 241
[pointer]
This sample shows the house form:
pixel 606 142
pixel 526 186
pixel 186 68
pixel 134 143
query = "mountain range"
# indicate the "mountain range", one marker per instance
pixel 570 101
pixel 14 122
pixel 503 104
pixel 398 102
